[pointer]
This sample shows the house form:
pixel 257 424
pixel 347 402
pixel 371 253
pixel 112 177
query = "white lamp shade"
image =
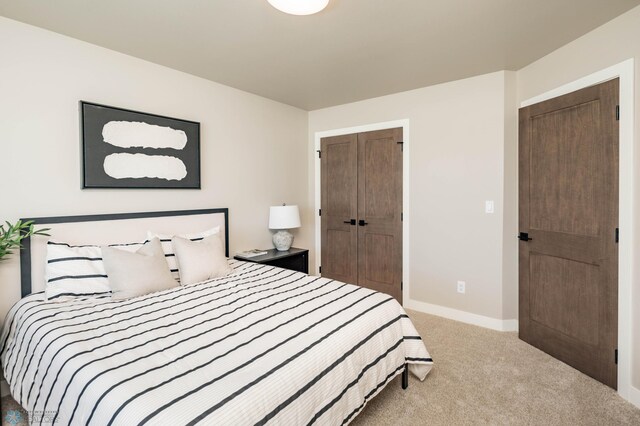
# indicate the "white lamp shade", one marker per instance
pixel 299 7
pixel 284 217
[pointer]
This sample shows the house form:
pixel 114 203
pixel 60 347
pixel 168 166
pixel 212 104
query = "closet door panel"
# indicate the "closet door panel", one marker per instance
pixel 380 211
pixel 339 205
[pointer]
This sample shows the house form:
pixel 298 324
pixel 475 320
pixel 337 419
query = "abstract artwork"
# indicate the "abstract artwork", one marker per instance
pixel 130 149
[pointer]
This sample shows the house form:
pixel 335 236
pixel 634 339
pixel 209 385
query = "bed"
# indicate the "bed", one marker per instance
pixel 261 345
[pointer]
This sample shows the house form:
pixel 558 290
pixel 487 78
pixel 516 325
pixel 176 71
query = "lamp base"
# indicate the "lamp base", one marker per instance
pixel 282 240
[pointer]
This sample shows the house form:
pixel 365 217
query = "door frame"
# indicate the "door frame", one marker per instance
pixel 625 71
pixel 404 123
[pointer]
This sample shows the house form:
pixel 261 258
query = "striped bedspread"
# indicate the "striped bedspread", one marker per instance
pixel 263 345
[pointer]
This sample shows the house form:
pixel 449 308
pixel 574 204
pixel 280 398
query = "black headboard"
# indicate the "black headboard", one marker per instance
pixel 25 254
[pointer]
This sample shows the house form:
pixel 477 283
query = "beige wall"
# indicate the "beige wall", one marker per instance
pixel 510 218
pixel 607 45
pixel 252 148
pixel 457 133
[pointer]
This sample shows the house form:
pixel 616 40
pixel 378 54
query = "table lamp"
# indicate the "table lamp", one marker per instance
pixel 283 218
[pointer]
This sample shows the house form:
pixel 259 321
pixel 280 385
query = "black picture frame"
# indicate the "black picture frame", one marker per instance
pixel 95 151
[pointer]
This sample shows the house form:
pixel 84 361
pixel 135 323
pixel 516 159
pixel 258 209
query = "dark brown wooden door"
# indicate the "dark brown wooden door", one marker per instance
pixel 569 208
pixel 339 204
pixel 380 210
pixel 361 202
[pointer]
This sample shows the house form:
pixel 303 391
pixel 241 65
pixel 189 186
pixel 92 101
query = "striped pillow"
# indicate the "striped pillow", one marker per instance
pixel 78 271
pixel 169 253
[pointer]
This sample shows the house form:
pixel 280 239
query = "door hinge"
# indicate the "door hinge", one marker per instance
pixel 319 212
pixel 401 143
pixel 615 354
pixel 617 112
pixel 319 269
pixel 319 153
pixel 617 235
pixel 401 216
pixel 401 285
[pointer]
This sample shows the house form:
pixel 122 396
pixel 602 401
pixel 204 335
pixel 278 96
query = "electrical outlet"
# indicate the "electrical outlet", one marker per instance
pixel 461 286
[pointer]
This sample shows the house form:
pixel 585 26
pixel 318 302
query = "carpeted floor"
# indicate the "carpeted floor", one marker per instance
pixel 487 377
pixel 483 376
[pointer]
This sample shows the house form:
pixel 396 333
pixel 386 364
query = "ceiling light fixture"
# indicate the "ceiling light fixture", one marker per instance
pixel 299 7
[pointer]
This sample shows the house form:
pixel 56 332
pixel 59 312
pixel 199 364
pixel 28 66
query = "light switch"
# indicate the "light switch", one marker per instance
pixel 488 206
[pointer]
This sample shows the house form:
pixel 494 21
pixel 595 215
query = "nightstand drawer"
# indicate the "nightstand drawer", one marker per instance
pixel 296 263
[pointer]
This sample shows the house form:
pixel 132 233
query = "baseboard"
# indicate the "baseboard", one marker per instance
pixel 634 396
pixel 4 388
pixel 462 316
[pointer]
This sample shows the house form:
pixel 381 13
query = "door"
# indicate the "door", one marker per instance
pixel 568 208
pixel 361 209
pixel 339 207
pixel 380 211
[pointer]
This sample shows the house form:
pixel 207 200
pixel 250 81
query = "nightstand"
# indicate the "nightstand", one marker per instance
pixel 295 259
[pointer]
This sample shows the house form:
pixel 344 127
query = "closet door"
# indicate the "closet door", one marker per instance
pixel 339 206
pixel 380 211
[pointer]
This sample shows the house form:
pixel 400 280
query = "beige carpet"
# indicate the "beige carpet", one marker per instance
pixel 487 377
pixel 482 376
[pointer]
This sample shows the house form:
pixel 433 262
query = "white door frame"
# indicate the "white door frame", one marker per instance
pixel 405 189
pixel 625 71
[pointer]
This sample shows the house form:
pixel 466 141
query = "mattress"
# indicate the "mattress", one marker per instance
pixel 262 345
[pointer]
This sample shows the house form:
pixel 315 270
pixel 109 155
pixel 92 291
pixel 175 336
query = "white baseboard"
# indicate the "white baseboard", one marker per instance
pixel 462 316
pixel 4 388
pixel 634 396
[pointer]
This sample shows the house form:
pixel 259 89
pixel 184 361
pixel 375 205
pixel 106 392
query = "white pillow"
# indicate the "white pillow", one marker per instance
pixel 136 274
pixel 78 271
pixel 165 239
pixel 200 260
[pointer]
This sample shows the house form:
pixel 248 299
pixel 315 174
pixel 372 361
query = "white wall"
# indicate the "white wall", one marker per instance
pixel 603 47
pixel 253 149
pixel 457 162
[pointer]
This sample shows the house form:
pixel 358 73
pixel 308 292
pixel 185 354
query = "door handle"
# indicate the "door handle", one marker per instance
pixel 352 221
pixel 524 236
pixel 361 222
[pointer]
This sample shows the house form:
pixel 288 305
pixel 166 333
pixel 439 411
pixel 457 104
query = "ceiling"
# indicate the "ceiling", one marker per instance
pixel 353 50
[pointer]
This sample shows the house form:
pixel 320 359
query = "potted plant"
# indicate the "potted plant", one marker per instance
pixel 11 236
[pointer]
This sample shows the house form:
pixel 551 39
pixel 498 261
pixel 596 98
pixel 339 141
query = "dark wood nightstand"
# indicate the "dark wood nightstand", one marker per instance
pixel 295 259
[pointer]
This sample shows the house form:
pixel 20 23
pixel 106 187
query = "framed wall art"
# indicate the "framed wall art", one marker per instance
pixel 130 149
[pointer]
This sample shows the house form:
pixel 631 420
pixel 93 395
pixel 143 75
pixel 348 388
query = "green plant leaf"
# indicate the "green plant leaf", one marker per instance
pixel 11 237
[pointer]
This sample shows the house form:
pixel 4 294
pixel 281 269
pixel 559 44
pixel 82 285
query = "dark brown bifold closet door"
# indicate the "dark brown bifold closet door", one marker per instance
pixel 380 211
pixel 568 223
pixel 339 205
pixel 362 209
